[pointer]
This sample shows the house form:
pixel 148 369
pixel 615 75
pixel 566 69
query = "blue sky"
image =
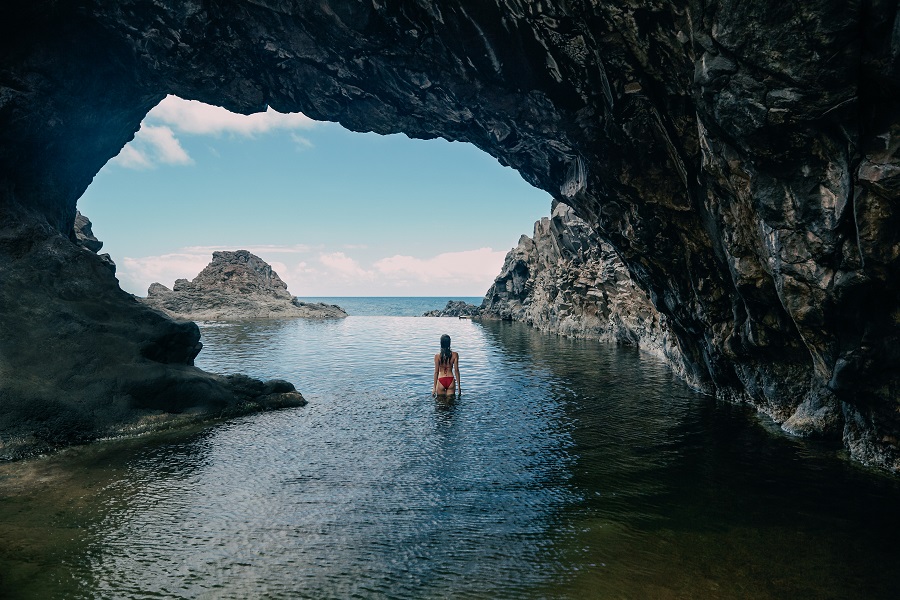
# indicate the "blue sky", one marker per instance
pixel 335 213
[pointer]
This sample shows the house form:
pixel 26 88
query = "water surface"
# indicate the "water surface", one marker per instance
pixel 566 469
pixel 392 306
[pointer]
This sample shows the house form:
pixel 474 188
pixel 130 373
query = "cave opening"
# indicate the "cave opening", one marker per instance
pixel 742 164
pixel 335 212
pixel 582 100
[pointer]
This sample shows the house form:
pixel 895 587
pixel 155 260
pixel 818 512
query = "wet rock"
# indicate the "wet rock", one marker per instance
pixel 455 308
pixel 235 285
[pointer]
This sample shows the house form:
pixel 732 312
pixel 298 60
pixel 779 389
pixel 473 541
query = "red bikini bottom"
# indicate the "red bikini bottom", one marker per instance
pixel 446 381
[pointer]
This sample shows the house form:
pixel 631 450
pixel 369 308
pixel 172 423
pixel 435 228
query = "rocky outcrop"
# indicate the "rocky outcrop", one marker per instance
pixel 741 158
pixel 235 285
pixel 84 233
pixel 80 359
pixel 455 308
pixel 84 237
pixel 565 280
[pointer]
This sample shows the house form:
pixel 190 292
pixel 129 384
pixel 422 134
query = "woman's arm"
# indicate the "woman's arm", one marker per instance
pixel 456 372
pixel 434 384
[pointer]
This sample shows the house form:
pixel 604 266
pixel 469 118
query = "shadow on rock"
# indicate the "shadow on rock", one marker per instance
pixel 80 359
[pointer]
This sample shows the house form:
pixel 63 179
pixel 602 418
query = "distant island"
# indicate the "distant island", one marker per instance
pixel 235 285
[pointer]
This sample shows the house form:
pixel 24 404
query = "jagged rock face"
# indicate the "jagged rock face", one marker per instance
pixel 235 285
pixel 84 237
pixel 84 233
pixel 239 272
pixel 740 157
pixel 565 280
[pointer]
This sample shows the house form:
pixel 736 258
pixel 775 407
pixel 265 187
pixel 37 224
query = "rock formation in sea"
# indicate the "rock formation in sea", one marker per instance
pixel 235 285
pixel 741 158
pixel 455 308
pixel 565 280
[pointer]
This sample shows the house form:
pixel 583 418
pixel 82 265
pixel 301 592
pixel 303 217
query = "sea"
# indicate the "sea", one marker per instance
pixel 400 306
pixel 563 469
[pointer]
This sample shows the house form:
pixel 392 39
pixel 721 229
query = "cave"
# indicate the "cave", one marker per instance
pixel 740 159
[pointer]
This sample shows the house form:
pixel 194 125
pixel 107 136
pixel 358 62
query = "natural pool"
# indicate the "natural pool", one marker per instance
pixel 566 469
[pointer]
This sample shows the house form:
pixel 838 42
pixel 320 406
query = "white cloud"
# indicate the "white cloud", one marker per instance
pixel 168 149
pixel 345 267
pixel 278 267
pixel 308 271
pixel 257 249
pixel 136 274
pixel 153 145
pixel 156 143
pixel 132 158
pixel 302 142
pixel 469 266
pixel 466 273
pixel 191 116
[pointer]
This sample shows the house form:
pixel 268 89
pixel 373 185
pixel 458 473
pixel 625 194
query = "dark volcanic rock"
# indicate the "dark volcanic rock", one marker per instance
pixel 84 234
pixel 80 359
pixel 84 237
pixel 235 285
pixel 741 157
pixel 455 308
pixel 565 280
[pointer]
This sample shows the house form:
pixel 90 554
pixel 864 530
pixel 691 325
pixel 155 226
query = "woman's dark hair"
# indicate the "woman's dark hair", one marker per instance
pixel 446 353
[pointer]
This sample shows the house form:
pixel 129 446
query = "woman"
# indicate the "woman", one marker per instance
pixel 446 370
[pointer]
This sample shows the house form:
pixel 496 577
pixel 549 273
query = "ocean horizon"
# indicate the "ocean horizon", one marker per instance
pixel 390 306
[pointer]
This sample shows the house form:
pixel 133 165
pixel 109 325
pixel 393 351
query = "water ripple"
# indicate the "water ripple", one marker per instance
pixel 566 469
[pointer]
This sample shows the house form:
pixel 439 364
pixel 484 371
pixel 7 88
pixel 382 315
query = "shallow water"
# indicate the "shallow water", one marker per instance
pixel 405 306
pixel 566 469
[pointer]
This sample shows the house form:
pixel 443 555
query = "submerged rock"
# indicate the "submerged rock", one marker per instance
pixel 455 308
pixel 235 285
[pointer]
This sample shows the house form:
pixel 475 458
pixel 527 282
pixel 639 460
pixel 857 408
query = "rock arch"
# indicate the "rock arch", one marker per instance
pixel 742 159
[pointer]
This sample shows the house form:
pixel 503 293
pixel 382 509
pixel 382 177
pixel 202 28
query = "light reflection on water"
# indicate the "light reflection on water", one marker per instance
pixel 565 469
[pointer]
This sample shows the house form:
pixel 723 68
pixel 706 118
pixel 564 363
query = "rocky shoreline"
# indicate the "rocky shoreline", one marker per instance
pixel 564 280
pixel 82 360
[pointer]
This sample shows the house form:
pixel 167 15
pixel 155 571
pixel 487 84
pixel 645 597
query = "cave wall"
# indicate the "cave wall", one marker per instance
pixel 566 281
pixel 740 157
